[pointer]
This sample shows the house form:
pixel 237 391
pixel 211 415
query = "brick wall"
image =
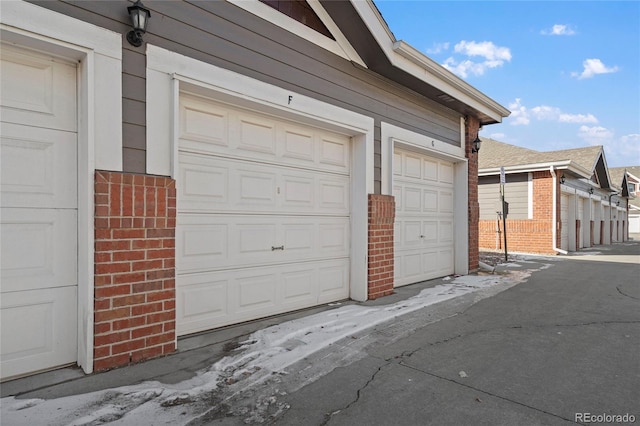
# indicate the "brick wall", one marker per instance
pixel 134 301
pixel 528 235
pixel 382 211
pixel 472 126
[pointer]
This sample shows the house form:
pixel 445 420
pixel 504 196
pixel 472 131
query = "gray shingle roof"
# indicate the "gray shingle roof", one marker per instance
pixel 496 154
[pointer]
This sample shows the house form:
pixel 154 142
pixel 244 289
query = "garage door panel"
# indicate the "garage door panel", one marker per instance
pixel 430 203
pixel 257 135
pixel 255 293
pixel 299 144
pixel 37 90
pixel 215 242
pixel 333 195
pixel 203 126
pixel 334 153
pixel 445 231
pixel 430 170
pixel 215 184
pixel 430 231
pixel 39 248
pixel 220 130
pixel 446 202
pixel 48 319
pixel 333 280
pixel 38 167
pixel 446 172
pixel 216 299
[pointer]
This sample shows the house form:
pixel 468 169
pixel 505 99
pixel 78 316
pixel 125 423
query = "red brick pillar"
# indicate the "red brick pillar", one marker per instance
pixel 472 126
pixel 591 233
pixel 382 211
pixel 578 230
pixel 134 301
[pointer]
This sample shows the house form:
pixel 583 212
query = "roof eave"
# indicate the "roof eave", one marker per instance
pixel 537 167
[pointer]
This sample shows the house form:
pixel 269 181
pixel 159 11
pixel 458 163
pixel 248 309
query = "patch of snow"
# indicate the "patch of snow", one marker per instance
pixel 265 353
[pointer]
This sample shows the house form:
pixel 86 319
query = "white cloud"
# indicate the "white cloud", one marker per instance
pixel 593 67
pixel 558 29
pixel 519 114
pixel 438 47
pixel 577 118
pixel 596 135
pixel 485 49
pixel 544 112
pixel 494 57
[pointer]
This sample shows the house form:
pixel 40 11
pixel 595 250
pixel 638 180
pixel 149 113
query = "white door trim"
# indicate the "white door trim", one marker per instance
pixel 169 72
pixel 393 135
pixel 99 53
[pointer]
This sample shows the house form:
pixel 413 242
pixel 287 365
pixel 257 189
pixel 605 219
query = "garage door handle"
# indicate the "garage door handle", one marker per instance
pixel 421 236
pixel 273 248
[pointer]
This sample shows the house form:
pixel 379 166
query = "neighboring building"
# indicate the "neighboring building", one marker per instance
pixel 244 161
pixel 628 179
pixel 559 201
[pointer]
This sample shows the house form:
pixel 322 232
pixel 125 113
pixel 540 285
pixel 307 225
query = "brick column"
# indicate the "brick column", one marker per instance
pixel 382 211
pixel 134 301
pixel 472 126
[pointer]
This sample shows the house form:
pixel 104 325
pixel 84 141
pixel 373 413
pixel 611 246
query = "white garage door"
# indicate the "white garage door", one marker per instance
pixel 423 191
pixel 263 216
pixel 564 222
pixel 581 218
pixel 634 224
pixel 38 213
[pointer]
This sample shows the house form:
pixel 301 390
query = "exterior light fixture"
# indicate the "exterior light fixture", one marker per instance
pixel 139 19
pixel 618 203
pixel 591 191
pixel 476 145
pixel 562 179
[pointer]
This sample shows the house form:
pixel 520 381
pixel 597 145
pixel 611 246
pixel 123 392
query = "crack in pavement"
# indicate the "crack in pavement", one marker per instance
pixel 488 393
pixel 329 416
pixel 625 294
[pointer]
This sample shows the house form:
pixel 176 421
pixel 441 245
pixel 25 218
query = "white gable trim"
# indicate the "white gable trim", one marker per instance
pixel 340 46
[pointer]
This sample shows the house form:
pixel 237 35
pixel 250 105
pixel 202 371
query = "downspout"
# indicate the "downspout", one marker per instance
pixel 554 217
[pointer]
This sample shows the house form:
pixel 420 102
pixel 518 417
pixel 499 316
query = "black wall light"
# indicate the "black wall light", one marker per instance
pixel 562 179
pixel 139 19
pixel 591 191
pixel 476 145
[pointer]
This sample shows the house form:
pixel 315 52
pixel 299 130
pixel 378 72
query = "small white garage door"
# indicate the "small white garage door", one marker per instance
pixel 581 217
pixel 39 212
pixel 564 222
pixel 634 224
pixel 423 191
pixel 263 216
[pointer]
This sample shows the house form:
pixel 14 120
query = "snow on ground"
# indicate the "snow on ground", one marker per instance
pixel 265 353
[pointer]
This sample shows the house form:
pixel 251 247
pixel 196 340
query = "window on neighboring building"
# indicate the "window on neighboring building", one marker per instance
pixel 301 12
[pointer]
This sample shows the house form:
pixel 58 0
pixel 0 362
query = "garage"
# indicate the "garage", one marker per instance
pixel 263 215
pixel 39 212
pixel 424 240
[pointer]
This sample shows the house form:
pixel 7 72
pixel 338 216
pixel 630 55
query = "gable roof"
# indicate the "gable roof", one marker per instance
pixel 584 162
pixel 366 30
pixel 618 173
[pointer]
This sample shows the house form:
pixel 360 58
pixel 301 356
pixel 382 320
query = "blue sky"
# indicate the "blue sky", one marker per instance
pixel 569 71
